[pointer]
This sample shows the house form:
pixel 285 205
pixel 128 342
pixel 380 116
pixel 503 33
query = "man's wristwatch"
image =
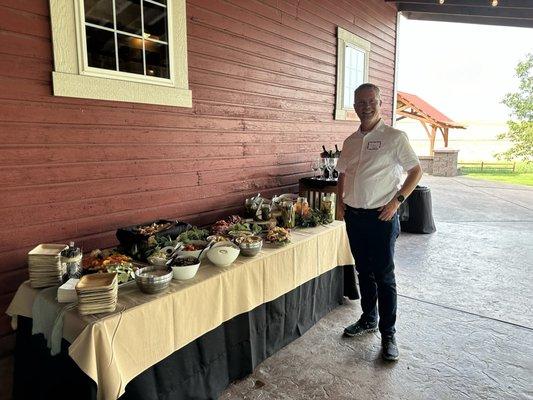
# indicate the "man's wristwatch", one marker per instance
pixel 400 198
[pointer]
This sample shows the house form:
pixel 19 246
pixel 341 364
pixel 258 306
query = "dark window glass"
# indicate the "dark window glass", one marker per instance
pixel 155 21
pixel 100 48
pixel 99 12
pixel 102 44
pixel 156 59
pixel 130 54
pixel 129 16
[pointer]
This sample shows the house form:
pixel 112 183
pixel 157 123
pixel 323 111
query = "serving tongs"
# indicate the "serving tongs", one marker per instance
pixel 207 247
pixel 174 253
pixel 180 246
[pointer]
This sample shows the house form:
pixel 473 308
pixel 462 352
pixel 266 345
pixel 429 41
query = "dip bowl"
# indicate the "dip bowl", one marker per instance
pixel 153 279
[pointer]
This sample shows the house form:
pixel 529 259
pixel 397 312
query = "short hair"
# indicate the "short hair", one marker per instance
pixel 365 86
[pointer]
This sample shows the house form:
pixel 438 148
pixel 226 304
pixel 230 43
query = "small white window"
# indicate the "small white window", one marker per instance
pixel 352 70
pixel 126 36
pixel 122 50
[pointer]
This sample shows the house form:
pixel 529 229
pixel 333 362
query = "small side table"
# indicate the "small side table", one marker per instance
pixel 313 188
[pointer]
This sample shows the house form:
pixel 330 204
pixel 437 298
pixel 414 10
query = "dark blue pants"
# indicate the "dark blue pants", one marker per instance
pixel 372 243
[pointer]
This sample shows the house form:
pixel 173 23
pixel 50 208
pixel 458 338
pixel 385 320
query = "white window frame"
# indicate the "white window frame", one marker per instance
pixel 72 77
pixel 346 38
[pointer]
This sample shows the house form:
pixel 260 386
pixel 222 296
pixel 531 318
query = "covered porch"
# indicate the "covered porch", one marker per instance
pixel 243 105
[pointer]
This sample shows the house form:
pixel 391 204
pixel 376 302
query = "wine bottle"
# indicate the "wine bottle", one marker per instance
pixel 324 154
pixel 337 152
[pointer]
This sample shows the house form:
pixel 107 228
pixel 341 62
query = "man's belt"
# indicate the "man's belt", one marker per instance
pixel 362 210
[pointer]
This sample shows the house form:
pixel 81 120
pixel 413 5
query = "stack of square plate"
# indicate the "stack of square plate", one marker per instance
pixel 97 293
pixel 44 265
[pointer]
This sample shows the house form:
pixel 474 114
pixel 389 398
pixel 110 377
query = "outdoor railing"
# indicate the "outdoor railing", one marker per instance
pixel 486 167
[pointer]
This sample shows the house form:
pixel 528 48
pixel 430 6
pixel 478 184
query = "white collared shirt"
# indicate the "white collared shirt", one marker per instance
pixel 373 164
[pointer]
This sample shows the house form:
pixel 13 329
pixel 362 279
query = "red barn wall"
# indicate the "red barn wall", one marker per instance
pixel 262 74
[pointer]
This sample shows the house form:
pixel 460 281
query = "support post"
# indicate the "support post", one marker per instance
pixel 445 135
pixel 432 140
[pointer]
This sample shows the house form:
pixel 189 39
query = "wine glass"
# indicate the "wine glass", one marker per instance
pixel 315 166
pixel 321 167
pixel 331 163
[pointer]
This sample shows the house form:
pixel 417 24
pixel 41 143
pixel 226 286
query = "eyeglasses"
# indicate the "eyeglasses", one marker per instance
pixel 371 103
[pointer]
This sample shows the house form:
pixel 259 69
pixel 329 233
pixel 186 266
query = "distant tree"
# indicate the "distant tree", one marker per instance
pixel 520 132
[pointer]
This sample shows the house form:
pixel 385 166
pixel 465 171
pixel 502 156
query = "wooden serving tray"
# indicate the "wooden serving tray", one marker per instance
pixel 97 281
pixel 47 250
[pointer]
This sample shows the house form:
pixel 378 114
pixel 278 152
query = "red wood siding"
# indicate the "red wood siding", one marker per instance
pixel 263 80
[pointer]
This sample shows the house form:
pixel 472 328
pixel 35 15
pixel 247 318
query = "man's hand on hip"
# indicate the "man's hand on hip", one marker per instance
pixel 388 210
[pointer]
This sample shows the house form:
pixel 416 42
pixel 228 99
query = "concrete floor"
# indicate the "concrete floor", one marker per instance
pixel 465 313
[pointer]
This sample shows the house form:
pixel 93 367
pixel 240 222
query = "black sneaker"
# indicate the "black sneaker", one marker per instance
pixel 360 328
pixel 390 350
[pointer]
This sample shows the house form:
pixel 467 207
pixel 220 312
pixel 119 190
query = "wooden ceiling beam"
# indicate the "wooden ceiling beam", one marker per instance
pixel 403 107
pixel 516 13
pixel 420 118
pixel 518 23
pixel 471 11
pixel 469 3
pixel 416 111
pixel 426 128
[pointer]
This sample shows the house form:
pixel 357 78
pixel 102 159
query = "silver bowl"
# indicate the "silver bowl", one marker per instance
pixel 250 249
pixel 154 279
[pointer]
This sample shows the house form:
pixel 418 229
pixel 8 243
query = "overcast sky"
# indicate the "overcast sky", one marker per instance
pixel 463 70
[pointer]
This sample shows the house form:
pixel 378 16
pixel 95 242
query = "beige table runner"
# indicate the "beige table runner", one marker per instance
pixel 114 348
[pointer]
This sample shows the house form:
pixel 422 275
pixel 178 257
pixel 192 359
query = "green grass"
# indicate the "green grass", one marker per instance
pixel 523 174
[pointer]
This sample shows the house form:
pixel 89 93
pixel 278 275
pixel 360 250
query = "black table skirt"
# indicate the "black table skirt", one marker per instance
pixel 203 368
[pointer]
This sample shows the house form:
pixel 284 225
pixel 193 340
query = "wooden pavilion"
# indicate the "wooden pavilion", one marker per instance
pixel 411 106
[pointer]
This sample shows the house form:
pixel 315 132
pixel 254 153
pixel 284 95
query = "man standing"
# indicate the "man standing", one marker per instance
pixel 370 168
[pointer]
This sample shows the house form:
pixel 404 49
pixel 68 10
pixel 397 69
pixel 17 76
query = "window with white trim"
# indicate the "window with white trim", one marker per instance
pixel 352 70
pixel 122 50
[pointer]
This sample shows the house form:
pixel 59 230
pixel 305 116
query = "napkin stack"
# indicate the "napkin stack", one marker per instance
pixel 66 293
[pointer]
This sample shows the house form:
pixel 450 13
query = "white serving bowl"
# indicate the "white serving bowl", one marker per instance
pixel 223 254
pixel 185 272
pixel 194 253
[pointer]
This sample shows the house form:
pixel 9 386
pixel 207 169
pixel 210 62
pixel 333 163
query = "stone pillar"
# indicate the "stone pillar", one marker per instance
pixel 445 162
pixel 426 163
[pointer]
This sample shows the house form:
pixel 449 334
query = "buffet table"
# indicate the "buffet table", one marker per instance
pixel 112 349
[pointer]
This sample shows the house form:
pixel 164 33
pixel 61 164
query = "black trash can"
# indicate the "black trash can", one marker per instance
pixel 416 212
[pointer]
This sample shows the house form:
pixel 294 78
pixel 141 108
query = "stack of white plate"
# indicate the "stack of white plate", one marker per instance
pixel 44 265
pixel 97 293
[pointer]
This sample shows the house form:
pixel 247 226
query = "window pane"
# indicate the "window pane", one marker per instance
pixel 156 59
pixel 348 98
pixel 130 54
pixel 348 78
pixel 100 48
pixel 360 64
pixel 155 21
pixel 99 12
pixel 129 16
pixel 354 70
